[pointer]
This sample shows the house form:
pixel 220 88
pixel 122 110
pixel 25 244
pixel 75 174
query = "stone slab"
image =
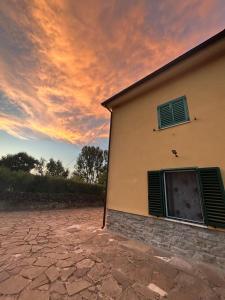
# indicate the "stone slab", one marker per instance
pixel 77 286
pixel 13 285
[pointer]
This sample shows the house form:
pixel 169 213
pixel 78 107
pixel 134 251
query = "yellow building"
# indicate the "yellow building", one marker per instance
pixel 167 155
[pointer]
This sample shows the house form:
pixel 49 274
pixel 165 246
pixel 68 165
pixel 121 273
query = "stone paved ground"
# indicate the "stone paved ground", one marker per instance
pixel 65 255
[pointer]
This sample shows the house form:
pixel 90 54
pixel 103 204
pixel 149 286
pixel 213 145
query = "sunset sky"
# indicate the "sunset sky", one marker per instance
pixel 59 59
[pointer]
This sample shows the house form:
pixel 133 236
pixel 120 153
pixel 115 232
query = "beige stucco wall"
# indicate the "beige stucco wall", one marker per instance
pixel 136 148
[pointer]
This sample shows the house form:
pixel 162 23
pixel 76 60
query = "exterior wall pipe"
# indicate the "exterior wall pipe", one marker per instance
pixel 105 201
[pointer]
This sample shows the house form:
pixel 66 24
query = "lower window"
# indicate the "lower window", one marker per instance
pixel 195 195
pixel 182 195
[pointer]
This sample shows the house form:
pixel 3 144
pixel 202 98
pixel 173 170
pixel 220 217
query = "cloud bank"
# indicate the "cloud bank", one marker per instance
pixel 60 59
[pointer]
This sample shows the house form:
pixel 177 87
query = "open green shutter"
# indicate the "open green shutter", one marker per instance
pixel 213 196
pixel 156 203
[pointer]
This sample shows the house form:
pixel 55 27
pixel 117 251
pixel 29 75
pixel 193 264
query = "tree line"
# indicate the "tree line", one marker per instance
pixel 90 167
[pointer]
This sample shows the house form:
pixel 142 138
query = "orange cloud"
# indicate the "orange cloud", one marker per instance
pixel 60 59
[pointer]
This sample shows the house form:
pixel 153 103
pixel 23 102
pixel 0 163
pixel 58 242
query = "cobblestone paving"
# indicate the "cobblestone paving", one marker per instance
pixel 65 255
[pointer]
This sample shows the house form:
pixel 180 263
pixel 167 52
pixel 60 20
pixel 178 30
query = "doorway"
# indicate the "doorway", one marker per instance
pixel 182 193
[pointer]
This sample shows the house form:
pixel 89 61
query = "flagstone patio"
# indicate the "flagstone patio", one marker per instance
pixel 65 255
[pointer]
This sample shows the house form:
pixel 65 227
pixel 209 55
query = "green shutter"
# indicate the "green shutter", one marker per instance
pixel 180 112
pixel 156 203
pixel 173 112
pixel 213 196
pixel 165 115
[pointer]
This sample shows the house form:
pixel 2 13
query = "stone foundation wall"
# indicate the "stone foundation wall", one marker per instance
pixel 182 239
pixel 10 201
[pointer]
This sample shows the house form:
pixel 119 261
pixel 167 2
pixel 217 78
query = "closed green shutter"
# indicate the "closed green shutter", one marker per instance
pixel 156 203
pixel 179 108
pixel 173 112
pixel 213 196
pixel 165 115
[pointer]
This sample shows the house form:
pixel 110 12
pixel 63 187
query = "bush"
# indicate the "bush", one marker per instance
pixel 18 181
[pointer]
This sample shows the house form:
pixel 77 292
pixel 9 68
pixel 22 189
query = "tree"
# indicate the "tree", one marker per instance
pixel 55 168
pixel 40 167
pixel 104 171
pixel 105 159
pixel 103 178
pixel 76 177
pixel 91 163
pixel 19 162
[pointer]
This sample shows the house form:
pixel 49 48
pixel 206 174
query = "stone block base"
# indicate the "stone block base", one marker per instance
pixel 202 244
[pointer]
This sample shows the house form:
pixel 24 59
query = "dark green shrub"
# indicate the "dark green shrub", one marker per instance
pixel 18 181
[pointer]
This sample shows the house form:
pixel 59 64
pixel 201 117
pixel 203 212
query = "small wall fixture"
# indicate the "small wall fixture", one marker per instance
pixel 175 152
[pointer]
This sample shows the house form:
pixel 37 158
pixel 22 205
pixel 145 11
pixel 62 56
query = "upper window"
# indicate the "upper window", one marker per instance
pixel 173 112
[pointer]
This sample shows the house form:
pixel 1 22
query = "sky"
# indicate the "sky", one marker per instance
pixel 59 59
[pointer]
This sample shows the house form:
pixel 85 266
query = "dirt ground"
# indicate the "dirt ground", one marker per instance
pixel 65 255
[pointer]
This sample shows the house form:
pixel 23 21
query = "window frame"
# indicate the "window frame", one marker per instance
pixel 200 196
pixel 170 102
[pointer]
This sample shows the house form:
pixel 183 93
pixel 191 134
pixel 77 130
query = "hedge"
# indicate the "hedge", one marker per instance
pixel 18 181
